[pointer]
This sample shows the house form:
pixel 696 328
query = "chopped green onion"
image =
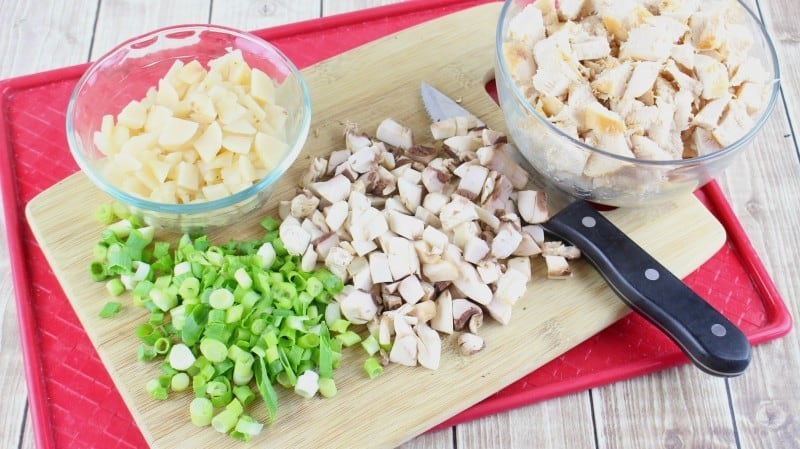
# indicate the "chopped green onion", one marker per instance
pixel 156 390
pixel 181 357
pixel 269 223
pixel 109 309
pixel 98 271
pixel 327 387
pixel 373 367
pixel 265 388
pixel 371 345
pixel 104 214
pixel 244 394
pixel 247 427
pixel 180 382
pixel 339 326
pixel 121 228
pixel 221 298
pixel 223 318
pixel 348 338
pixel 201 411
pixel 145 353
pixel 115 287
pixel 162 345
pixel 214 350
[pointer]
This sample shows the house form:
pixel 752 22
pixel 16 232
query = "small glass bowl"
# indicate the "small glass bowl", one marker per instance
pixel 640 182
pixel 129 70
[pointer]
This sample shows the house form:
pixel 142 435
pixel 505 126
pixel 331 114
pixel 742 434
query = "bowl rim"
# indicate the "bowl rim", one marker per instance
pixel 206 206
pixel 678 163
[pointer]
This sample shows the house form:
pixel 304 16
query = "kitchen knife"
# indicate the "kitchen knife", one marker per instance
pixel 710 340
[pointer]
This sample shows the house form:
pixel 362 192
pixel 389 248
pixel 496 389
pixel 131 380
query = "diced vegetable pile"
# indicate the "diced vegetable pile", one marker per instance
pixel 226 321
pixel 390 240
pixel 201 134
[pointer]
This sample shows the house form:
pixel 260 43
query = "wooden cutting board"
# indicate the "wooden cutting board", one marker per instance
pixel 366 85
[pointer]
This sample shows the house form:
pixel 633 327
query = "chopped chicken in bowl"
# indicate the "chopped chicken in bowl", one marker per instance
pixel 629 103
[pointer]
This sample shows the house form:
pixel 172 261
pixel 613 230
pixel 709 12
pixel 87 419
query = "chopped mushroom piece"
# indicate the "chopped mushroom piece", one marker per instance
pixel 336 214
pixel 506 241
pixel 500 311
pixel 424 311
pixel 557 267
pixel 442 223
pixel 404 350
pixel 429 346
pixel 559 249
pixel 410 194
pixel 527 246
pixel 379 268
pixel 403 259
pixel 405 225
pixel 496 158
pixel 395 134
pixel 303 204
pixel 295 239
pixel 489 271
pixel 337 261
pixel 410 289
pixel 532 206
pixel 422 153
pixel 472 177
pixel 462 147
pixel 510 287
pixel 357 306
pixel 355 139
pixel 470 344
pixel 442 321
pixel 457 211
pixel 470 283
pixel 475 249
pixel 522 265
pixel 439 271
pixel 463 310
pixel 334 189
pixel 309 259
pixel 315 170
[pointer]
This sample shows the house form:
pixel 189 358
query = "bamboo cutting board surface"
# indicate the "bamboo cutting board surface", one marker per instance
pixel 366 85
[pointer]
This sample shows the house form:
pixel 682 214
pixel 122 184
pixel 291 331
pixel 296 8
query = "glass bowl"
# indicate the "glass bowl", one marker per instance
pixel 638 182
pixel 128 71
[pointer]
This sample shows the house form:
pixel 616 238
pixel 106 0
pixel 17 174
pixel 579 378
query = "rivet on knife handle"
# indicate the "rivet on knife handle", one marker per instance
pixel 712 342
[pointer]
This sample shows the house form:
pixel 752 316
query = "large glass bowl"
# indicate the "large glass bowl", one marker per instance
pixel 129 70
pixel 639 182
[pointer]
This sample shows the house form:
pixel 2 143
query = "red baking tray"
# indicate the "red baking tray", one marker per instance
pixel 73 402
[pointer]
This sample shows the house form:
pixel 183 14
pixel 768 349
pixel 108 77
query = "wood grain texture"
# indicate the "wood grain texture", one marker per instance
pixel 762 185
pixel 780 19
pixel 257 14
pixel 44 35
pixel 120 20
pixel 462 57
pixel 564 422
pixel 34 37
pixel 648 412
pixel 766 180
pixel 330 7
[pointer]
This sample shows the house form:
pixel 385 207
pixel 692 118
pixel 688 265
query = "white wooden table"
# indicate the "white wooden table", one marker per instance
pixel 677 408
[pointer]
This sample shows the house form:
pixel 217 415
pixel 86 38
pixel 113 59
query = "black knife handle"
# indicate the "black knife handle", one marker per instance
pixel 712 342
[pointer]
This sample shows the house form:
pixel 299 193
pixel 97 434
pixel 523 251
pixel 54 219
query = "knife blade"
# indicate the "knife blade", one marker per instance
pixel 708 338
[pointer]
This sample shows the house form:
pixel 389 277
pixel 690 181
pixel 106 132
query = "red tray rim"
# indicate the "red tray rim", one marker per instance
pixel 779 318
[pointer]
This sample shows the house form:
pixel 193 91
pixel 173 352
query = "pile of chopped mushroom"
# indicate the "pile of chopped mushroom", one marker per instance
pixel 646 79
pixel 428 239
